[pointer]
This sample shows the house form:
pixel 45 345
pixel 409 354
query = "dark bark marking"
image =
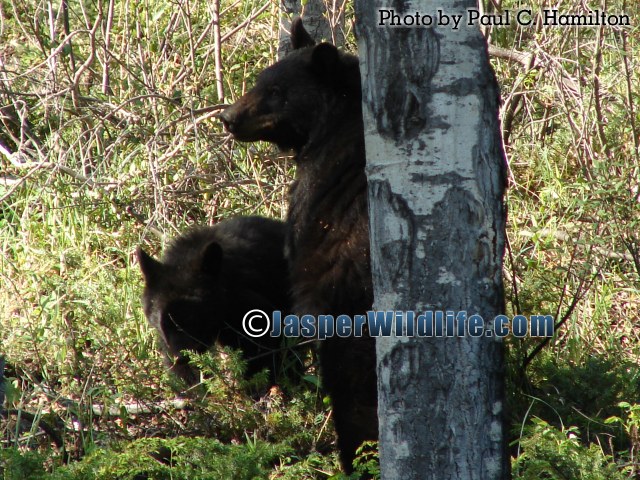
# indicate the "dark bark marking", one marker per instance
pixel 403 75
pixel 404 361
pixel 400 249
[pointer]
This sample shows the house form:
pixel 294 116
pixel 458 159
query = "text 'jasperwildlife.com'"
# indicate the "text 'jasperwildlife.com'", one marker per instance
pixel 430 323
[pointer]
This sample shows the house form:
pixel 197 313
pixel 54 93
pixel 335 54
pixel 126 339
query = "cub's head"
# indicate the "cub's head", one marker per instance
pixel 182 299
pixel 292 97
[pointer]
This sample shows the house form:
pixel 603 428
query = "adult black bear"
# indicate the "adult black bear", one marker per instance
pixel 310 102
pixel 207 281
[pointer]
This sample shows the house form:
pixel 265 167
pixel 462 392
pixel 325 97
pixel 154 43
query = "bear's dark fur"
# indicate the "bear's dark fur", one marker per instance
pixel 310 102
pixel 207 281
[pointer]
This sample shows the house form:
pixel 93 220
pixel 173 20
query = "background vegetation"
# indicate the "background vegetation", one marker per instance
pixel 108 141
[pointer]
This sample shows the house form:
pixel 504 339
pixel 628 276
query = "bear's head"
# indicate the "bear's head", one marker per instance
pixel 182 301
pixel 198 295
pixel 306 89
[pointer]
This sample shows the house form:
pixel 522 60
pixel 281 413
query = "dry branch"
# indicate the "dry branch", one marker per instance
pixel 526 59
pixel 566 237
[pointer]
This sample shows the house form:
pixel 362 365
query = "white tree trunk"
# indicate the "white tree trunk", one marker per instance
pixel 324 20
pixel 436 173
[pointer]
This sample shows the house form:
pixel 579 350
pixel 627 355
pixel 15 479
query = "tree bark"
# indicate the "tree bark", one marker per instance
pixel 436 176
pixel 323 20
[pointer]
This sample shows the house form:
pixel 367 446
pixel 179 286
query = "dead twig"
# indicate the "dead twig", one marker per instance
pixel 526 59
pixel 217 50
pixel 565 237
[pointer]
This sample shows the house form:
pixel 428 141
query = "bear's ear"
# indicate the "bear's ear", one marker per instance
pixel 212 258
pixel 300 38
pixel 152 269
pixel 325 59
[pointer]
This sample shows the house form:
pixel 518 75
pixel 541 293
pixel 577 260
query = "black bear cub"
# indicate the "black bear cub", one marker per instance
pixel 310 102
pixel 208 279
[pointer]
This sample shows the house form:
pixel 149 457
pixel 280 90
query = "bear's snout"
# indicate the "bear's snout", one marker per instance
pixel 229 119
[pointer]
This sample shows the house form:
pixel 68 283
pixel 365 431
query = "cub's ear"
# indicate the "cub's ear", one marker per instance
pixel 325 59
pixel 300 38
pixel 212 258
pixel 152 269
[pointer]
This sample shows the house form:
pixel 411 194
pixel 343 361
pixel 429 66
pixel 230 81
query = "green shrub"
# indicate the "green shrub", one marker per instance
pixel 549 453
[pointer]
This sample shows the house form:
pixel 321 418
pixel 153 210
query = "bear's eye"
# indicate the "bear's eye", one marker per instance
pixel 274 91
